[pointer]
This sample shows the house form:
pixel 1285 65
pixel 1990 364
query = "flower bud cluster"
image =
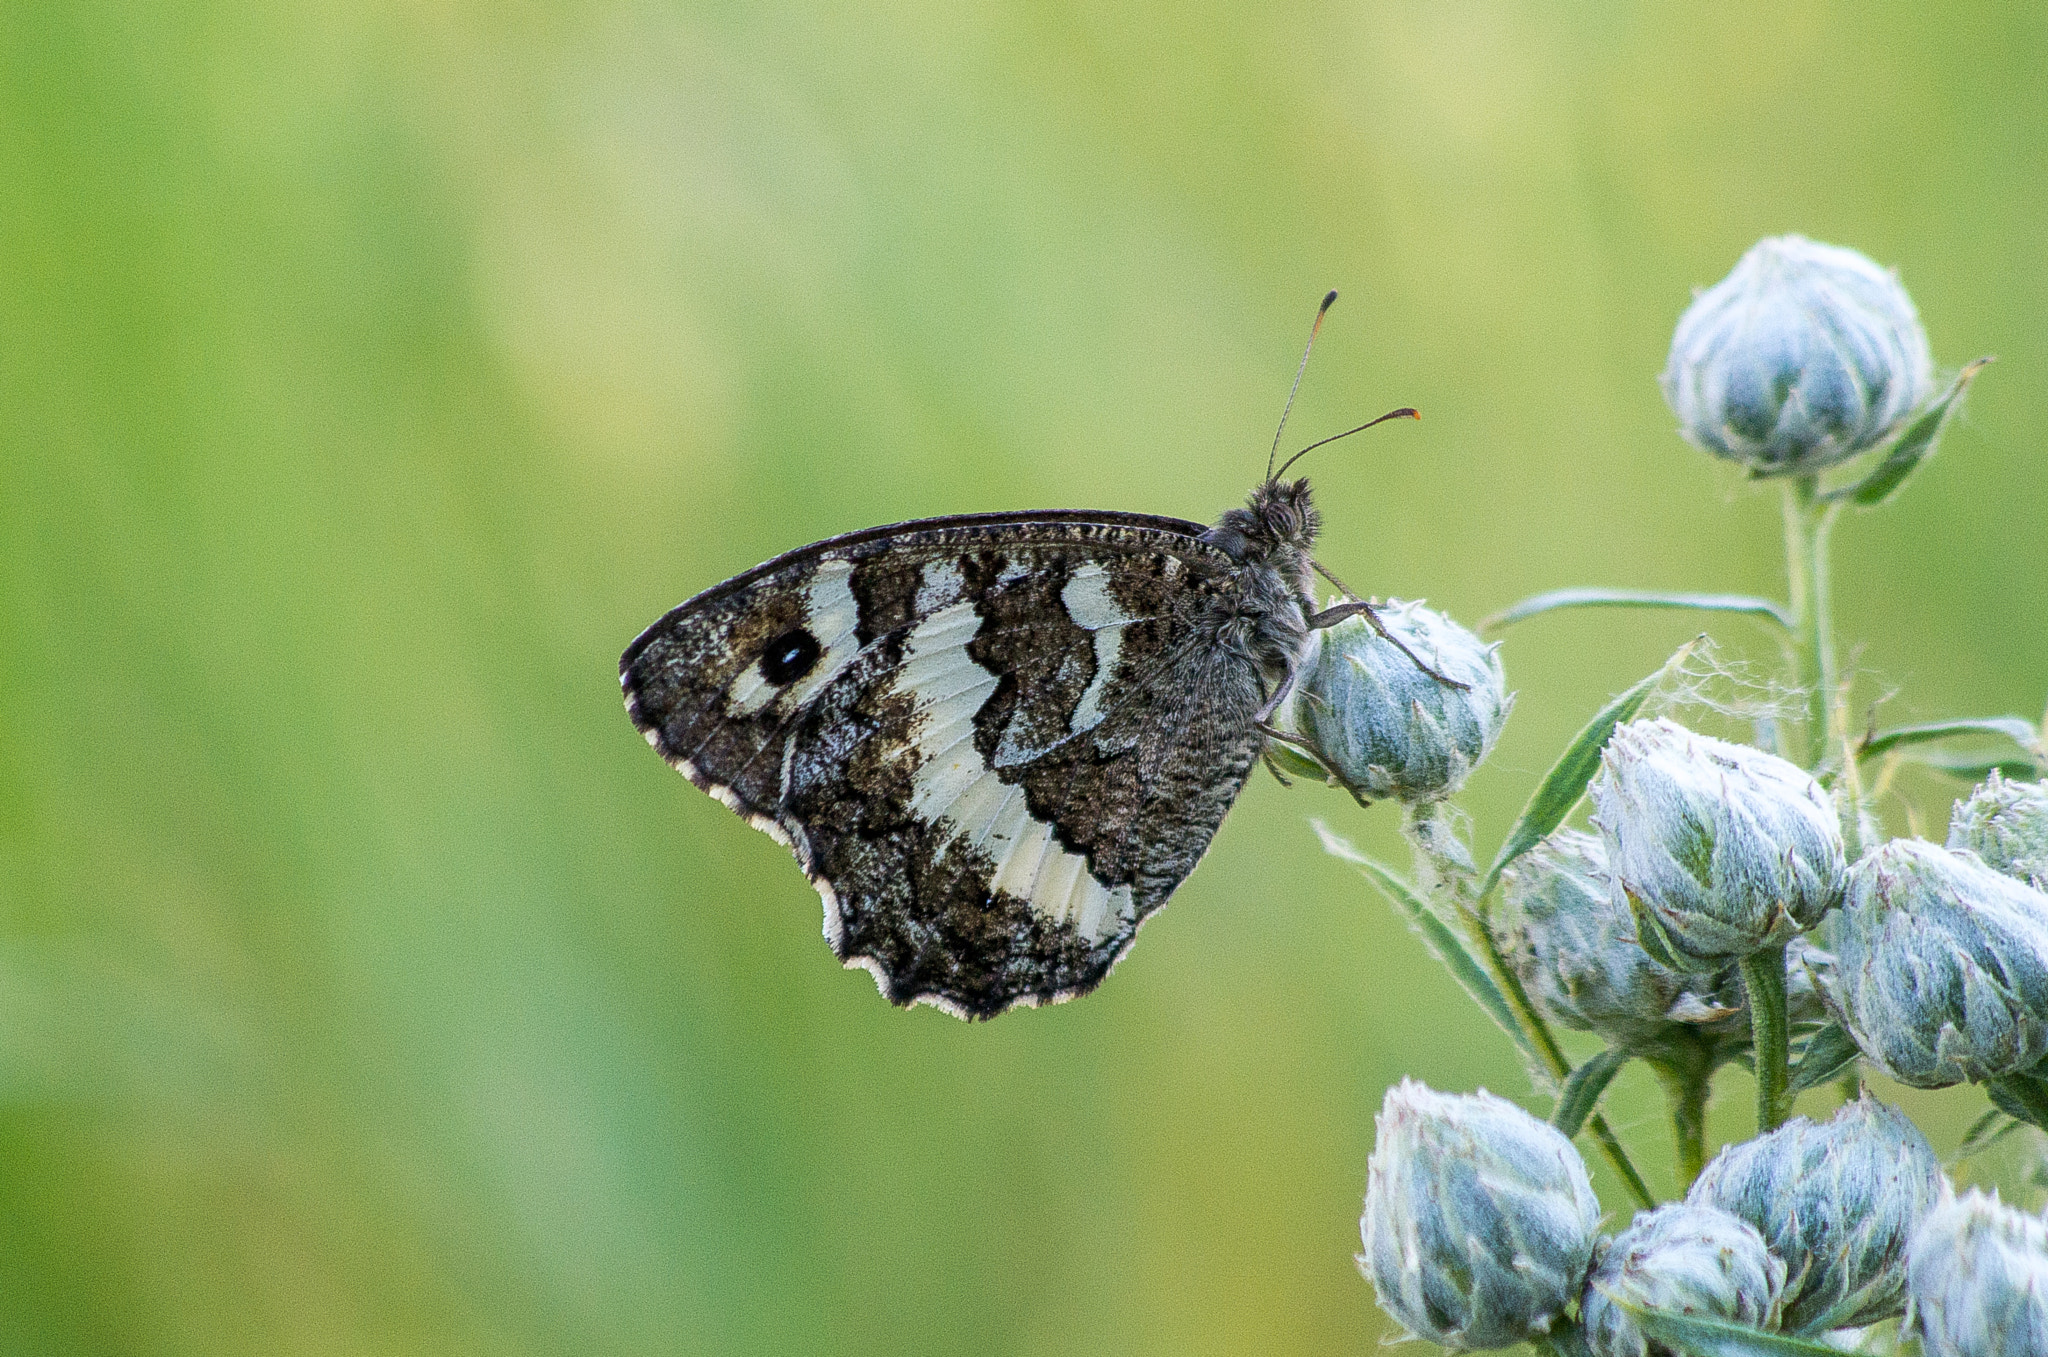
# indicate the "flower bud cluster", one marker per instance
pixel 2006 824
pixel 1376 722
pixel 1479 1220
pixel 1571 938
pixel 1681 1258
pixel 1977 1275
pixel 1941 966
pixel 1802 357
pixel 1573 943
pixel 1719 849
pixel 1837 1202
pixel 1481 1231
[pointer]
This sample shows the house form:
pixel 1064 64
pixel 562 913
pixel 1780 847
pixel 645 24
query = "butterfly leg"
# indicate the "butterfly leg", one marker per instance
pixel 1264 721
pixel 1358 607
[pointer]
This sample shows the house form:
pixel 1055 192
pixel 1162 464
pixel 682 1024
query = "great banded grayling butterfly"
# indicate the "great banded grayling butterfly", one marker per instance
pixel 995 742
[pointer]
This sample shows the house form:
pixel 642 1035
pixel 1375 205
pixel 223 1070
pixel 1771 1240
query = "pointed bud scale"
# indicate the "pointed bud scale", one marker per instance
pixel 1804 356
pixel 1941 966
pixel 1837 1203
pixel 1682 1258
pixel 2006 824
pixel 1977 1280
pixel 1720 849
pixel 1479 1219
pixel 1378 723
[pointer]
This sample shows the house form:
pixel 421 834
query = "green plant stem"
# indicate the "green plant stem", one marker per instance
pixel 1438 864
pixel 1809 521
pixel 1763 981
pixel 1687 1076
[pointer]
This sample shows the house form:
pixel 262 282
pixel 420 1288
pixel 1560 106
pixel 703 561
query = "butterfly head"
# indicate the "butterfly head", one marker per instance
pixel 1276 528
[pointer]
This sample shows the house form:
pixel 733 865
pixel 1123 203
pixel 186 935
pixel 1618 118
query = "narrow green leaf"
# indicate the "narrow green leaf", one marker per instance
pixel 1828 1052
pixel 1443 943
pixel 1915 445
pixel 1985 1132
pixel 1704 1337
pixel 1976 767
pixel 1581 1092
pixel 2020 731
pixel 1566 781
pixel 1637 598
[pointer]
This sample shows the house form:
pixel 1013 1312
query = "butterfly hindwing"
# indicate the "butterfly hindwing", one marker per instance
pixel 995 744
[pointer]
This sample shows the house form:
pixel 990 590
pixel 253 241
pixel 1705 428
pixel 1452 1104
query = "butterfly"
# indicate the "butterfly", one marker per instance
pixel 996 743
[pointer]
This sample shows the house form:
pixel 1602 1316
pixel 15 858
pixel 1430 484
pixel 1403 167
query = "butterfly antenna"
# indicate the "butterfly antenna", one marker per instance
pixel 1329 301
pixel 1405 412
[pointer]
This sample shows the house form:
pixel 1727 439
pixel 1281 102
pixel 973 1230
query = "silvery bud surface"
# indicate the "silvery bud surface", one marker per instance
pixel 1479 1219
pixel 1837 1203
pixel 1804 356
pixel 2006 824
pixel 1574 947
pixel 1977 1280
pixel 1381 726
pixel 1941 966
pixel 1685 1259
pixel 1720 849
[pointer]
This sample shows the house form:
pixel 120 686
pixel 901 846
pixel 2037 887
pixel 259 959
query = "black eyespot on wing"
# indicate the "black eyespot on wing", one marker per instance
pixel 789 657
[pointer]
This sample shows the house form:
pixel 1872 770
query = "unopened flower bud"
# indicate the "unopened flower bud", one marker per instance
pixel 1941 966
pixel 1682 1258
pixel 1379 724
pixel 1837 1203
pixel 1977 1280
pixel 1574 947
pixel 2006 824
pixel 1720 849
pixel 1804 356
pixel 1479 1220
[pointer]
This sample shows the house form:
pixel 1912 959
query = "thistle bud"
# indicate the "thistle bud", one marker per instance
pixel 1379 724
pixel 2006 824
pixel 1977 1280
pixel 1574 947
pixel 1685 1259
pixel 1837 1203
pixel 1804 356
pixel 1719 849
pixel 1479 1220
pixel 1941 966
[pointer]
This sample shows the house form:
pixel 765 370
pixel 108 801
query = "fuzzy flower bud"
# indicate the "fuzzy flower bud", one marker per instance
pixel 1720 849
pixel 1837 1203
pixel 1941 966
pixel 1686 1259
pixel 1977 1280
pixel 1479 1220
pixel 2006 824
pixel 1804 356
pixel 1574 947
pixel 1380 725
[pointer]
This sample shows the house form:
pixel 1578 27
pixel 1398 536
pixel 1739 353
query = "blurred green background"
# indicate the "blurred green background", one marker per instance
pixel 371 373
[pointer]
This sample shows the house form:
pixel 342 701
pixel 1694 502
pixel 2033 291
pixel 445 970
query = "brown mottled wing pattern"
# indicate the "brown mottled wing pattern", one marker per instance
pixel 995 744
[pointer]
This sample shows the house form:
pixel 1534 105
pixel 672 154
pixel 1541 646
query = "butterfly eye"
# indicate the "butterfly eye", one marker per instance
pixel 789 657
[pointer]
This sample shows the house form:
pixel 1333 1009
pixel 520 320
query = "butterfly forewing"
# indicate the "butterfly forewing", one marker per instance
pixel 995 744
